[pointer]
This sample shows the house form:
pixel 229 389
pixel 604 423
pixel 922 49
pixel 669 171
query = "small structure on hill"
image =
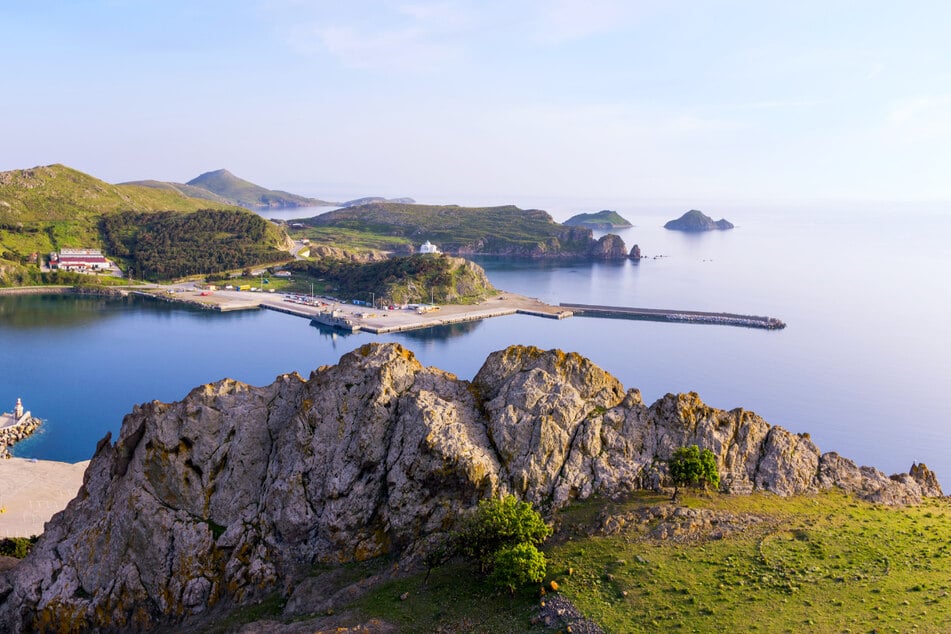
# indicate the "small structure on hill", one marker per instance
pixel 428 247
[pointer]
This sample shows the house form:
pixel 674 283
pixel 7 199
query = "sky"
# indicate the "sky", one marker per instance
pixel 707 102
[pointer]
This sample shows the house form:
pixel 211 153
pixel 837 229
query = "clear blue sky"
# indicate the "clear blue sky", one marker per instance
pixel 462 101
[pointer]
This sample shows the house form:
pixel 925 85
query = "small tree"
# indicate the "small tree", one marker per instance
pixel 693 467
pixel 502 536
pixel 514 566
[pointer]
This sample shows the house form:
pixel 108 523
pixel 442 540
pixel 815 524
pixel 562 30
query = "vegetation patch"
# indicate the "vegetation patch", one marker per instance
pixel 167 245
pixel 410 279
pixel 18 547
pixel 823 563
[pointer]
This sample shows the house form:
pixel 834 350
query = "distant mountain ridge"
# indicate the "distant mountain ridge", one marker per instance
pixel 247 194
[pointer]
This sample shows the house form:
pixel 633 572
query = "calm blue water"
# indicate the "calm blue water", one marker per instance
pixel 864 365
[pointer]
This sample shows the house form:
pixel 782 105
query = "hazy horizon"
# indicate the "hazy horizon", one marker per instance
pixel 701 105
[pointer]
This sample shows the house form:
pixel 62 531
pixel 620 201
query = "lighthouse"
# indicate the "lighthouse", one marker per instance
pixel 18 410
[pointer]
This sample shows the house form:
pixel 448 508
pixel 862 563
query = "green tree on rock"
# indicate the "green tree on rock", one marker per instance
pixel 693 467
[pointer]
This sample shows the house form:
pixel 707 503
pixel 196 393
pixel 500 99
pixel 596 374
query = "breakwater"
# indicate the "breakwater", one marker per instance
pixel 12 434
pixel 687 316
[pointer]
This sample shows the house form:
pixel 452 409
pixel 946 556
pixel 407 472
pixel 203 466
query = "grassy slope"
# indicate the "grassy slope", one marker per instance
pixel 47 208
pixel 392 225
pixel 824 563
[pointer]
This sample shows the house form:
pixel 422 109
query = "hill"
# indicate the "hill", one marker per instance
pixel 46 208
pixel 240 495
pixel 246 194
pixel 185 190
pixel 505 230
pixel 604 220
pixel 400 280
pixel 695 221
pixel 166 245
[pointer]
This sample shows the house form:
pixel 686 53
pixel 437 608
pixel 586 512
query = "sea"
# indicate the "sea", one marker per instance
pixel 864 364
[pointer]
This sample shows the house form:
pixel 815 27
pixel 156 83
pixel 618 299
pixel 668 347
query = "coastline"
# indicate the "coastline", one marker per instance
pixel 32 491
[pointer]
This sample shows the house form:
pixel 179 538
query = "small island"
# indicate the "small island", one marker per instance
pixel 604 220
pixel 696 221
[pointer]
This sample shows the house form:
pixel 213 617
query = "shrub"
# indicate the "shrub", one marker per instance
pixel 514 566
pixel 18 547
pixel 502 536
pixel 693 467
pixel 501 523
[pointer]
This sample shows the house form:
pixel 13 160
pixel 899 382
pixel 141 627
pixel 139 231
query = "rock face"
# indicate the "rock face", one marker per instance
pixel 608 247
pixel 695 221
pixel 235 491
pixel 635 253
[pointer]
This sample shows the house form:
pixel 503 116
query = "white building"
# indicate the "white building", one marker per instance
pixel 428 247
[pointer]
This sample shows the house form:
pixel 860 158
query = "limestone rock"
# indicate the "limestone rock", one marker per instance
pixel 237 491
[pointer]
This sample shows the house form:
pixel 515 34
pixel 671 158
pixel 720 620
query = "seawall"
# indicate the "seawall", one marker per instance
pixel 688 316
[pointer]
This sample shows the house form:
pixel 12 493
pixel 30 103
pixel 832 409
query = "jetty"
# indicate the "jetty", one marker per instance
pixel 687 316
pixel 15 426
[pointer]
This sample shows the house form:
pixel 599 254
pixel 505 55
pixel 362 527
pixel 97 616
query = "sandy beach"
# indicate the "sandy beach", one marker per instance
pixel 31 492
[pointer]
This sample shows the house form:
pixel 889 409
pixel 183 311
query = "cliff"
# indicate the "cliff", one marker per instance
pixel 695 221
pixel 235 491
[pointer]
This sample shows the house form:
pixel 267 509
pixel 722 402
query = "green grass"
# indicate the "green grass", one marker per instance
pixel 353 239
pixel 824 563
pixel 454 599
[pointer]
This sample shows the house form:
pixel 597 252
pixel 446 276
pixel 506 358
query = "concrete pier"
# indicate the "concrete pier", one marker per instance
pixel 687 316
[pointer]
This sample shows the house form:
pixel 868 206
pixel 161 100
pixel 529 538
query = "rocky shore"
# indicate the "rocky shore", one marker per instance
pixel 236 491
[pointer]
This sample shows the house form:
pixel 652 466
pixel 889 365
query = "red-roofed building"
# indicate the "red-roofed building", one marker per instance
pixel 79 260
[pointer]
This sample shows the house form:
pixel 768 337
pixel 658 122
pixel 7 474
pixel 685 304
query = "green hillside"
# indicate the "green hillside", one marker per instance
pixel 46 208
pixel 412 279
pixel 246 194
pixel 159 231
pixel 505 230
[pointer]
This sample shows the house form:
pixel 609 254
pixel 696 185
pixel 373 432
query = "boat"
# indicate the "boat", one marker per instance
pixel 336 319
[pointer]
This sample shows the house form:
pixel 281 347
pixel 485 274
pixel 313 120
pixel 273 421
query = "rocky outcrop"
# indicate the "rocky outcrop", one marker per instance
pixel 236 491
pixel 608 247
pixel 695 221
pixel 635 253
pixel 13 434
